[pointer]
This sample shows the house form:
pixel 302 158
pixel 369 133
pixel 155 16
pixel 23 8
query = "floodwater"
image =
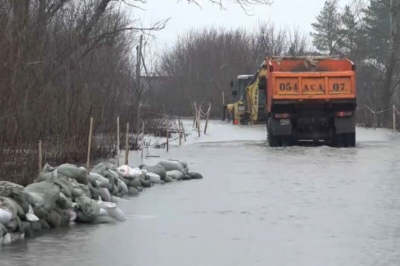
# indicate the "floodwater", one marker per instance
pixel 256 206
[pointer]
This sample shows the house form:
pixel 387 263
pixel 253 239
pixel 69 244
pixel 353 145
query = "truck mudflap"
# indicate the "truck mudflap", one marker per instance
pixel 281 127
pixel 345 124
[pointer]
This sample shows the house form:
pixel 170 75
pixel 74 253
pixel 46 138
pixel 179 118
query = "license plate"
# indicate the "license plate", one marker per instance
pixel 241 108
pixel 285 122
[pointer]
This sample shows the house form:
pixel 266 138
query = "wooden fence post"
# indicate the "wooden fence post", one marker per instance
pixel 142 138
pixel 394 118
pixel 127 144
pixel 208 115
pixel 40 157
pixel 118 151
pixel 184 134
pixel 195 114
pixel 198 121
pixel 179 130
pixel 167 135
pixel 90 143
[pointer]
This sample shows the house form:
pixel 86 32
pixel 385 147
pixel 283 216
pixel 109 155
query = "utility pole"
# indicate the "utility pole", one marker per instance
pixel 139 57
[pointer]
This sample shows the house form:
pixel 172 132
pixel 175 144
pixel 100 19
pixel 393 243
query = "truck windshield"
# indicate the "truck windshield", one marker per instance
pixel 241 87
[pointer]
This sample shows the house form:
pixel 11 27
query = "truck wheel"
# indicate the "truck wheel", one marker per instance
pixel 273 141
pixel 344 140
pixel 351 139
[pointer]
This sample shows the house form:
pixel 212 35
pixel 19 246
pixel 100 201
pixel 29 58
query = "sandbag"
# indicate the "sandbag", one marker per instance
pixel 3 231
pixel 128 172
pixel 116 199
pixel 103 220
pixel 86 190
pixel 125 180
pixel 48 191
pixel 5 215
pixel 195 175
pixel 113 211
pixel 30 216
pixel 63 202
pixel 15 192
pixel 159 182
pixel 156 169
pixel 28 230
pixel 175 174
pixel 145 183
pixel 94 192
pixel 172 165
pixel 152 177
pixel 182 163
pixel 169 179
pixel 135 183
pixel 13 207
pixel 133 191
pixel 41 212
pixel 65 186
pixel 80 174
pixel 122 187
pixel 115 191
pixel 100 180
pixel 44 224
pixel 48 174
pixel 37 199
pixel 12 226
pixel 6 239
pixel 36 226
pixel 104 194
pixel 54 219
pixel 88 209
pixel 103 168
pixel 71 213
pixel 103 212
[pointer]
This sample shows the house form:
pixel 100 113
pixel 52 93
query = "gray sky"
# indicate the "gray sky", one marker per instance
pixel 184 16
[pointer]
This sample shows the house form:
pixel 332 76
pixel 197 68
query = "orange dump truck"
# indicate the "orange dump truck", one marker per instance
pixel 311 98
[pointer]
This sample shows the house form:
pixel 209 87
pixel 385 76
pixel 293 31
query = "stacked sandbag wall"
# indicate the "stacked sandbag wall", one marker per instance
pixel 70 194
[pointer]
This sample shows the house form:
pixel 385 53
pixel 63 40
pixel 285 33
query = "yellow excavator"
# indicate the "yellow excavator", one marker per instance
pixel 250 93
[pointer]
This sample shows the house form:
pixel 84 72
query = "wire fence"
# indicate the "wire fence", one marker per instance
pixel 386 118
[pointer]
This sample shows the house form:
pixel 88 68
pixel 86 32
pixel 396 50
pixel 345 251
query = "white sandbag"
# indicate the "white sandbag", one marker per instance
pixel 117 214
pixel 129 172
pixel 6 239
pixel 30 216
pixel 175 174
pixel 5 215
pixel 103 212
pixel 153 176
pixel 104 194
pixel 72 214
pixel 112 210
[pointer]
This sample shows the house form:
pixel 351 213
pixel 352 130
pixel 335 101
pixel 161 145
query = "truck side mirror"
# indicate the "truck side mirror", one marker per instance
pixel 231 84
pixel 234 93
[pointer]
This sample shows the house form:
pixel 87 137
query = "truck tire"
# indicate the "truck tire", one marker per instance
pixel 273 141
pixel 351 139
pixel 346 140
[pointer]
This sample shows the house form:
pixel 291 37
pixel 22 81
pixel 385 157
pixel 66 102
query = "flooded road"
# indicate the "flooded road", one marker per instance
pixel 255 206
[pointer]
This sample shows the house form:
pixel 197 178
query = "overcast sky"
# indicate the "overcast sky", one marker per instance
pixel 184 16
